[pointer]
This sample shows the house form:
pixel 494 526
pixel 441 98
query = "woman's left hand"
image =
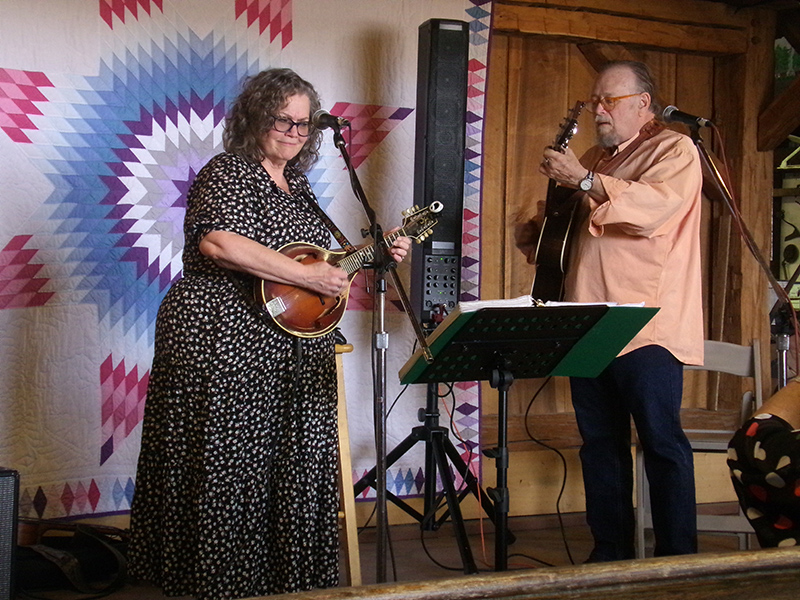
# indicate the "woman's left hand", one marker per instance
pixel 400 248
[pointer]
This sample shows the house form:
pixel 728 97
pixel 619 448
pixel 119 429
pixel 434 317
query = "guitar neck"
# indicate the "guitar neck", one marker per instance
pixel 353 262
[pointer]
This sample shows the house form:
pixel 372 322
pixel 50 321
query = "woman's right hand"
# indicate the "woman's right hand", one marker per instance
pixel 324 278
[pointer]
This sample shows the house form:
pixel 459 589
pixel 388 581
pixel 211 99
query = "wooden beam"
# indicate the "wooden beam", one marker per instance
pixel 780 118
pixel 599 54
pixel 771 573
pixel 577 25
pixel 697 12
pixel 560 430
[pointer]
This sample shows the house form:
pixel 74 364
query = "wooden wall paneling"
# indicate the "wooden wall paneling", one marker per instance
pixel 743 86
pixel 582 72
pixel 757 182
pixel 694 89
pixel 694 93
pixel 694 84
pixel 532 100
pixel 535 117
pixel 726 292
pixel 663 66
pixel 493 200
pixel 539 112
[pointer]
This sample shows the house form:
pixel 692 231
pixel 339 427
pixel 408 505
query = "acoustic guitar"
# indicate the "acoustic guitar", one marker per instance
pixel 308 314
pixel 552 249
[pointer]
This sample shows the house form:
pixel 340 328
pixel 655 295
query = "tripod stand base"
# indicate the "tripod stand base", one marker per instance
pixel 439 448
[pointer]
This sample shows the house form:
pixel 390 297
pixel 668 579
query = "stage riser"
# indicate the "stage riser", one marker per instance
pixel 772 574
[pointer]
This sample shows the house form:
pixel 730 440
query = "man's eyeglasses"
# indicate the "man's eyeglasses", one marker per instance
pixel 284 125
pixel 607 102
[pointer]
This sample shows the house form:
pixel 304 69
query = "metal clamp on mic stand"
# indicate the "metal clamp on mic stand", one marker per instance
pixel 381 263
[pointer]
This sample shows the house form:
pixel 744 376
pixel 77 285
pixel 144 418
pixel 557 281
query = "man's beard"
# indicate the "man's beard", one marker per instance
pixel 607 139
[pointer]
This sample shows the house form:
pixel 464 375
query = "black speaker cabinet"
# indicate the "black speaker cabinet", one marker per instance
pixel 9 498
pixel 442 71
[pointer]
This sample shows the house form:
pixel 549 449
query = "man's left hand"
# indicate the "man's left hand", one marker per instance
pixel 562 167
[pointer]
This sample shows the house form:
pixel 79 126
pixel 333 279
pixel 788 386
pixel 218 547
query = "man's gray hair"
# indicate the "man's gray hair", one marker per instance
pixel 644 77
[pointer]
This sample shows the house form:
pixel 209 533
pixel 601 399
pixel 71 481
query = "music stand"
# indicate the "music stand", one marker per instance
pixel 501 344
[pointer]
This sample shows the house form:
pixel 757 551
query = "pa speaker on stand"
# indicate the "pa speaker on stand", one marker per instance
pixel 442 74
pixel 9 499
pixel 442 77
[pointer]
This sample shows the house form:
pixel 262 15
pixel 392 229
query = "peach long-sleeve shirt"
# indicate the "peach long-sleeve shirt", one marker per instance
pixel 643 244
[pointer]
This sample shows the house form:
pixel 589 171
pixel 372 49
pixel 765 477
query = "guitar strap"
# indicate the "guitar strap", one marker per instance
pixel 608 164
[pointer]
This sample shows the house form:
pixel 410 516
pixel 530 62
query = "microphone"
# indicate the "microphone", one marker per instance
pixel 322 119
pixel 672 114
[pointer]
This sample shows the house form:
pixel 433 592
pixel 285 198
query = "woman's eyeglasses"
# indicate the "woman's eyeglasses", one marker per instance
pixel 284 125
pixel 607 102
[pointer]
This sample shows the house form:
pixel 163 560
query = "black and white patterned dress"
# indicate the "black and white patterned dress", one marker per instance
pixel 236 491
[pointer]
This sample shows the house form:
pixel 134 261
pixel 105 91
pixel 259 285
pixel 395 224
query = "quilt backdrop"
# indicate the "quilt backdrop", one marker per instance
pixel 108 108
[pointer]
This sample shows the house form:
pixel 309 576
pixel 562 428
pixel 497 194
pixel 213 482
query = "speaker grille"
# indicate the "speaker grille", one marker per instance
pixel 442 76
pixel 9 494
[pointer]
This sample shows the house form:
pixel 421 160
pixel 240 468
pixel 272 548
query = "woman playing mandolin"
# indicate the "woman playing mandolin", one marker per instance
pixel 236 491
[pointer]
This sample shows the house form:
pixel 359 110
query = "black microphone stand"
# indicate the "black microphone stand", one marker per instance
pixel 780 314
pixel 381 261
pixel 381 264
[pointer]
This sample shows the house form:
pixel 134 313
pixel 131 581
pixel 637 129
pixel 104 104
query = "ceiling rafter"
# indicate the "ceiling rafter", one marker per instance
pixel 780 118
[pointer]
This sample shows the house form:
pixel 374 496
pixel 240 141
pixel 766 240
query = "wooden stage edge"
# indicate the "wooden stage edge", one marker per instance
pixel 753 575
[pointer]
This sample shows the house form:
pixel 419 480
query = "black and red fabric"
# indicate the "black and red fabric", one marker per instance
pixel 764 460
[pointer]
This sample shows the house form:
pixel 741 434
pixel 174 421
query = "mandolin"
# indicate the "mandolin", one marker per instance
pixel 308 314
pixel 552 249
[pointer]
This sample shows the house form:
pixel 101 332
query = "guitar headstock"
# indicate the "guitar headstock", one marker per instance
pixel 418 222
pixel 569 127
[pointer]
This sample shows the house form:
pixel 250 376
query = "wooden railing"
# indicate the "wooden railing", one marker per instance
pixel 772 574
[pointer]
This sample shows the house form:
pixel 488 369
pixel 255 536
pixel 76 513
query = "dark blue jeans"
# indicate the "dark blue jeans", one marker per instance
pixel 648 385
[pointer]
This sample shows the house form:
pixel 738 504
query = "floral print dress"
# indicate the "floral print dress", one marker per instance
pixel 236 492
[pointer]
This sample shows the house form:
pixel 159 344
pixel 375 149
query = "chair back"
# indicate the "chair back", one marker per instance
pixel 735 359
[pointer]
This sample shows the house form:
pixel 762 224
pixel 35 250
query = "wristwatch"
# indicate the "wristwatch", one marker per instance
pixel 587 182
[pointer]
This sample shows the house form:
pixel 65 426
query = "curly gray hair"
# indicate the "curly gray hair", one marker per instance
pixel 252 115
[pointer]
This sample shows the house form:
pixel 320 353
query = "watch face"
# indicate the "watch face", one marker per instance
pixel 586 184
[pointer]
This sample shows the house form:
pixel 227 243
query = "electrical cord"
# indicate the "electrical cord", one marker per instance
pixel 564 478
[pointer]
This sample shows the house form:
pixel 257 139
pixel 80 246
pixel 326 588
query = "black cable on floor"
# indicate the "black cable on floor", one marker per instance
pixel 563 462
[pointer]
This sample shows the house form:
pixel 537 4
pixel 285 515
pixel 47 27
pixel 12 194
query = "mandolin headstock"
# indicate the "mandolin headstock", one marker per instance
pixel 418 222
